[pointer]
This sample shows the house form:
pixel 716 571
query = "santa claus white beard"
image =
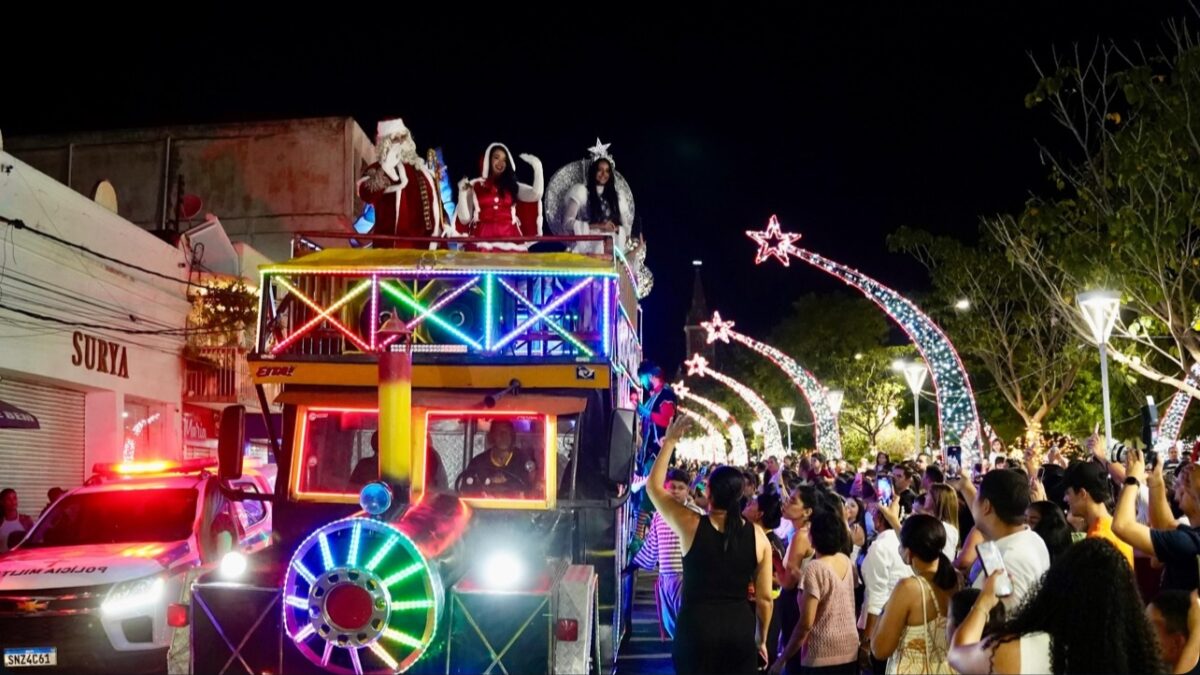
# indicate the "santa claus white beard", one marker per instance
pixel 405 150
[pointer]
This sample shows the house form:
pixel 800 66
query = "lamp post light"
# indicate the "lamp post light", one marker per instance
pixel 833 398
pixel 788 413
pixel 914 373
pixel 1100 310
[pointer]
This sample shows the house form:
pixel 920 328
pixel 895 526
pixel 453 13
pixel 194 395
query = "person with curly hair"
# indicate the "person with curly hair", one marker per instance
pixel 1084 616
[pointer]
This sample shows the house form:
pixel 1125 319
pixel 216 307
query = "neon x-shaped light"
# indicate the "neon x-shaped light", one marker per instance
pixel 323 314
pixel 549 322
pixel 403 296
pixel 429 312
pixel 542 313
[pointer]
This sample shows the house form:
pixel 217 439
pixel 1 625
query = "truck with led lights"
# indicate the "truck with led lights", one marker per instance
pixel 91 586
pixel 457 434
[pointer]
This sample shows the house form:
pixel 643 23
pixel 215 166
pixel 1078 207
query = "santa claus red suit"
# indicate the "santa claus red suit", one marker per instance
pixel 496 205
pixel 402 190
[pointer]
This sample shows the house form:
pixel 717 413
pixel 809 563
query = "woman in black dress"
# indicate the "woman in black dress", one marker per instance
pixel 722 555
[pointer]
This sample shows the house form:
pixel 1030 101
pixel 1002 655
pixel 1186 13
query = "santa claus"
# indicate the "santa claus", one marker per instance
pixel 496 205
pixel 401 188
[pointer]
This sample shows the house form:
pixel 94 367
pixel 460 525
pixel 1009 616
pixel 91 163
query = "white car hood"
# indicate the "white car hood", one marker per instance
pixel 73 566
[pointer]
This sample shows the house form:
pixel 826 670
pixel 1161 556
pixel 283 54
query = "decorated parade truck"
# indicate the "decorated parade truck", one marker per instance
pixel 457 431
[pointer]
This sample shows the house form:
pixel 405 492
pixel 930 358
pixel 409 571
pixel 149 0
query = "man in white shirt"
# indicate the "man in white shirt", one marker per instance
pixel 999 512
pixel 882 569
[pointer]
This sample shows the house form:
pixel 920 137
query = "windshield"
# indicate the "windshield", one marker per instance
pixel 489 455
pixel 340 450
pixel 117 517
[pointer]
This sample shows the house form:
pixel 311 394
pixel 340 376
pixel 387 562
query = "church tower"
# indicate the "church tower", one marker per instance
pixel 694 333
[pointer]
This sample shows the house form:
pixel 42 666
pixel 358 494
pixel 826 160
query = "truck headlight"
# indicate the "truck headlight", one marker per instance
pixel 129 596
pixel 502 570
pixel 233 565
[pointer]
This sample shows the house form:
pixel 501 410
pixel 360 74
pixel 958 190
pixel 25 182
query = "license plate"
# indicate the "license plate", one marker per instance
pixel 30 656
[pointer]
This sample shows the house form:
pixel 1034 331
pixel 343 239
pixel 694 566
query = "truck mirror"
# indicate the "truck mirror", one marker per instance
pixel 231 445
pixel 622 445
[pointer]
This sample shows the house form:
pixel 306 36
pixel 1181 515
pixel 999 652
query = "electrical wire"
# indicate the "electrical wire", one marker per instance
pixel 129 331
pixel 19 224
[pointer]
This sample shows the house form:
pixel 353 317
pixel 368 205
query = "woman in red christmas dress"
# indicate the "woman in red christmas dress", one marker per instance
pixel 497 205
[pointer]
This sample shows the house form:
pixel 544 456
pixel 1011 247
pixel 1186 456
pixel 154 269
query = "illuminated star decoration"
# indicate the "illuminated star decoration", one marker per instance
pixel 766 249
pixel 681 389
pixel 697 365
pixel 599 150
pixel 717 329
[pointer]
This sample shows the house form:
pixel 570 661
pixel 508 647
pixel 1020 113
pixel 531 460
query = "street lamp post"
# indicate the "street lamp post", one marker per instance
pixel 914 374
pixel 788 413
pixel 1100 310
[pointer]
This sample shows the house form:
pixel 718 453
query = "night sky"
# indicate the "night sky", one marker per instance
pixel 848 122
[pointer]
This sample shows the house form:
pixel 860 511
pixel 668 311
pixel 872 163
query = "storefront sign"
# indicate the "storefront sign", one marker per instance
pixel 100 355
pixel 199 424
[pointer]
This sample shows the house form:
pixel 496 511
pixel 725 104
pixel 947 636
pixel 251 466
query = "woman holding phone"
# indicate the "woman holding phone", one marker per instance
pixel 1048 633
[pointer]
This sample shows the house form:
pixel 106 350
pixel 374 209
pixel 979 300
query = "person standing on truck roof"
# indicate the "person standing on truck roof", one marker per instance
pixel 14 521
pixel 497 205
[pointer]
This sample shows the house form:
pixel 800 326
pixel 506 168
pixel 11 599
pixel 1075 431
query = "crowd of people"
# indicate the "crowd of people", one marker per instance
pixel 811 565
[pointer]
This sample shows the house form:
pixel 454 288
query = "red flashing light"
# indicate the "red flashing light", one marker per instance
pixel 154 467
pixel 566 630
pixel 177 615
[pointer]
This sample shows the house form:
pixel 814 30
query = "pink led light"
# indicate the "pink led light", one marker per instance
pixel 322 315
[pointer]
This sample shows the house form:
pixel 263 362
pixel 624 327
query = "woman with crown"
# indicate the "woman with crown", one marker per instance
pixel 597 206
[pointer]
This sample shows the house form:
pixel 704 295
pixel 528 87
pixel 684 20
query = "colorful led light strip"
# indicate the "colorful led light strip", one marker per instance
pixel 323 315
pixel 606 307
pixel 354 661
pixel 958 417
pixel 355 536
pixel 305 633
pixel 326 554
pixel 297 602
pixel 406 605
pixel 441 302
pixel 403 574
pixel 327 654
pixel 489 296
pixel 402 296
pixel 541 314
pixel 303 572
pixel 384 655
pixel 379 555
pixel 406 272
pixel 374 311
pixel 566 335
pixel 403 638
pixel 825 430
pixel 772 438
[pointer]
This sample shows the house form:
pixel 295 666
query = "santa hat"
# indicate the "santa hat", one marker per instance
pixel 392 127
pixel 487 158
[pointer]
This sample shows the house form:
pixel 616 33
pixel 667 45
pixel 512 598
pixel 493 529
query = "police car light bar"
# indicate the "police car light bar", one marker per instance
pixel 149 468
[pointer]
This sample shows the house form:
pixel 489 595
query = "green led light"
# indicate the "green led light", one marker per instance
pixel 405 605
pixel 403 638
pixel 403 574
pixel 379 555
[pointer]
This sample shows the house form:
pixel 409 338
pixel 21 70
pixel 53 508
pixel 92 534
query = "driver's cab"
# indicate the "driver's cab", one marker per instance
pixel 504 458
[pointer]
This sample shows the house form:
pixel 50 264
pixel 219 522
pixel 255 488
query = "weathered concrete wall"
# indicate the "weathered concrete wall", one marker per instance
pixel 263 180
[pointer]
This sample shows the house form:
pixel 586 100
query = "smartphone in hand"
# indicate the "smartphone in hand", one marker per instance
pixel 883 485
pixel 993 562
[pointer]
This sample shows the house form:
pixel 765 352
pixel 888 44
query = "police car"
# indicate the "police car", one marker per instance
pixel 97 582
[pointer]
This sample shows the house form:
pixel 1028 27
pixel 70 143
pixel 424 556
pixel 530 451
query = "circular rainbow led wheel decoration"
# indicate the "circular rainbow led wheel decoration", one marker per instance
pixel 359 598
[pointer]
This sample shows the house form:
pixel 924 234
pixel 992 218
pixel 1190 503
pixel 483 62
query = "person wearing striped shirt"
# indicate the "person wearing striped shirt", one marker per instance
pixel 662 550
